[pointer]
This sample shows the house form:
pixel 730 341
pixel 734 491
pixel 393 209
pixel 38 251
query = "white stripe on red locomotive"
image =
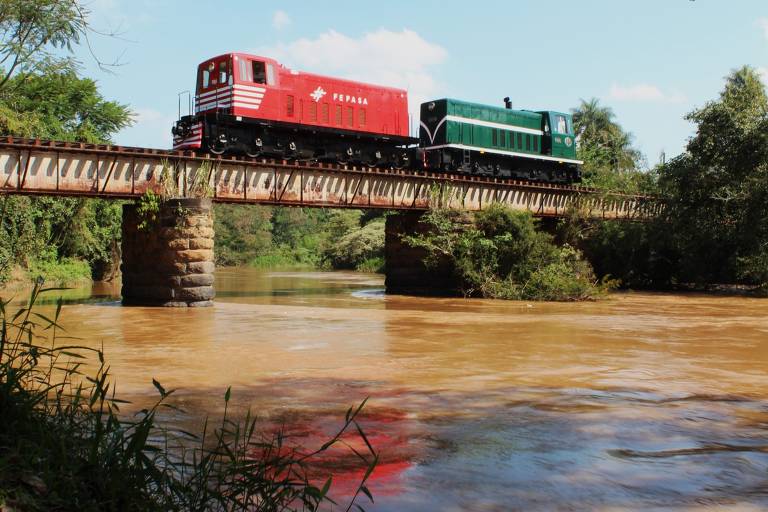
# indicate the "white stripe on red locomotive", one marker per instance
pixel 238 95
pixel 193 140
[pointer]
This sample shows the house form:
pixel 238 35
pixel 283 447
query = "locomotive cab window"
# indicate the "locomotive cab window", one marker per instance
pixel 242 68
pixel 259 72
pixel 562 126
pixel 205 78
pixel 223 72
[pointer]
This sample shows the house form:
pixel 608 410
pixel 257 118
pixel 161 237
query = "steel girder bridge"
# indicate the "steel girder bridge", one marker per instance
pixel 33 166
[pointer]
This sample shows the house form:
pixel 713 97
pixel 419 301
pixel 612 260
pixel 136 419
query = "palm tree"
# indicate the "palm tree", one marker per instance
pixel 601 140
pixel 592 121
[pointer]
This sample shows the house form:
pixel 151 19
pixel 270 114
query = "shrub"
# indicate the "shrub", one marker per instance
pixel 568 277
pixel 358 246
pixel 499 253
pixel 371 265
pixel 65 272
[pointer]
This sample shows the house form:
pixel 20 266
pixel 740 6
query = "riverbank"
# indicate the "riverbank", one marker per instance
pixel 80 287
pixel 68 272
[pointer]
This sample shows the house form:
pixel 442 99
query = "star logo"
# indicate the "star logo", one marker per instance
pixel 318 94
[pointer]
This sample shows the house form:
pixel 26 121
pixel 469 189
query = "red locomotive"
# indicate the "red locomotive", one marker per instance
pixel 253 105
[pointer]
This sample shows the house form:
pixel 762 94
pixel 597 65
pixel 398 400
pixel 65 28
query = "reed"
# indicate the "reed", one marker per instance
pixel 66 445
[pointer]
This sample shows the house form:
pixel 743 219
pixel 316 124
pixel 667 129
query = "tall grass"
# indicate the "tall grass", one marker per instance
pixel 64 272
pixel 66 445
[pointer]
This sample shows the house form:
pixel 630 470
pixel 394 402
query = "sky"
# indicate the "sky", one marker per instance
pixel 651 61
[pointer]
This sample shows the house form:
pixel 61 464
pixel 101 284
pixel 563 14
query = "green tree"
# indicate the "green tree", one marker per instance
pixel 718 189
pixel 610 160
pixel 64 106
pixel 358 246
pixel 243 232
pixel 37 37
pixel 41 95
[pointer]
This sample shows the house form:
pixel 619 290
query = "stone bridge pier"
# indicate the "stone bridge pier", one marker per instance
pixel 168 260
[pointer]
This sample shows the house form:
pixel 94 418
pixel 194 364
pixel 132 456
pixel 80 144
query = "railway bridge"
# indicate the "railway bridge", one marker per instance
pixel 171 262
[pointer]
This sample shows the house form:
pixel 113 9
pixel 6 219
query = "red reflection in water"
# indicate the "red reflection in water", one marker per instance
pixel 387 431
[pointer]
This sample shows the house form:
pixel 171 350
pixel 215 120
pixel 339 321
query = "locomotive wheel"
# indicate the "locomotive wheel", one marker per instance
pixel 291 150
pixel 345 156
pixel 256 149
pixel 217 148
pixel 374 159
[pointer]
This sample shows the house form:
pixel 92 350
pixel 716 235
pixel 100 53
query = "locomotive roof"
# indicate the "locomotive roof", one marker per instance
pixel 525 113
pixel 303 73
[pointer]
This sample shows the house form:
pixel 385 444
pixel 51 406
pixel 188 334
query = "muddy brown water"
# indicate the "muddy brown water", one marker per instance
pixel 639 402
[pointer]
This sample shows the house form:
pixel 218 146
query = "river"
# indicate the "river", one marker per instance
pixel 639 402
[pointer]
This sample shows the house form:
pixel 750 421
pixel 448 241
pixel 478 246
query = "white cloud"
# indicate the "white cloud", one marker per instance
pixel 150 129
pixel 763 72
pixel 644 93
pixel 119 16
pixel 146 115
pixel 280 20
pixel 763 24
pixel 398 59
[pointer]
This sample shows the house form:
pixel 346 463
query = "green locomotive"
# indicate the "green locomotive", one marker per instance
pixel 469 138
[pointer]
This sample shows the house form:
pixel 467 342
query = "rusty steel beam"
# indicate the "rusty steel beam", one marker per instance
pixel 32 166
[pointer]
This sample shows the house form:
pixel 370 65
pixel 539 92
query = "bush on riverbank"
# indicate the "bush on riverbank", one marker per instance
pixel 68 272
pixel 499 253
pixel 359 248
pixel 62 272
pixel 64 444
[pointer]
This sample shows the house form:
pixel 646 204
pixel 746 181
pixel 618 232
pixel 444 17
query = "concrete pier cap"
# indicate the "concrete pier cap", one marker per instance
pixel 168 257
